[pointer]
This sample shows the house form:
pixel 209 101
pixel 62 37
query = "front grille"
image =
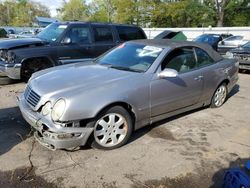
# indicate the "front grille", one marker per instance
pixel 31 97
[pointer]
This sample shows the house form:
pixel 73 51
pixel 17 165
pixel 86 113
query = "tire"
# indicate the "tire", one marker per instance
pixel 106 134
pixel 32 66
pixel 220 96
pixel 4 80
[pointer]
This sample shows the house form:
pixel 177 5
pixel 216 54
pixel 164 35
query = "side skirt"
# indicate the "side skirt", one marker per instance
pixel 142 123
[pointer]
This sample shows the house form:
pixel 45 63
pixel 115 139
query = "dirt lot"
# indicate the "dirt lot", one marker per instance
pixel 191 150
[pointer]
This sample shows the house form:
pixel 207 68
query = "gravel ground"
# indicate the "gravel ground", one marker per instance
pixel 190 150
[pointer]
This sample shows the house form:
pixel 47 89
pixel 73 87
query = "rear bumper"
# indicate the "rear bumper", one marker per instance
pixel 10 70
pixel 48 134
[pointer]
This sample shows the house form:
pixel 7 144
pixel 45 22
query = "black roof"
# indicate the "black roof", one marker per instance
pixel 106 23
pixel 172 44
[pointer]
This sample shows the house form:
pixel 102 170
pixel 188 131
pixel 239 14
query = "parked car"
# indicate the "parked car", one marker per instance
pixel 211 39
pixel 3 33
pixel 230 43
pixel 176 35
pixel 136 84
pixel 242 54
pixel 62 43
pixel 23 34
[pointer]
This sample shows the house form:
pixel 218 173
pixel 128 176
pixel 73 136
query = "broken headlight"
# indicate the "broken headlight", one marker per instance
pixel 11 57
pixel 3 55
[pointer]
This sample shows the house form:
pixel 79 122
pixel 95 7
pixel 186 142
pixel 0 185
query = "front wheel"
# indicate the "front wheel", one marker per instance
pixel 112 129
pixel 219 96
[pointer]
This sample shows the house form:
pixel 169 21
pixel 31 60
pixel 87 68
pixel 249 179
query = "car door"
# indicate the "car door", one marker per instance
pixel 76 45
pixel 103 38
pixel 170 94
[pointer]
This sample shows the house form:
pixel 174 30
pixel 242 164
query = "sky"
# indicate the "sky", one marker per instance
pixel 51 4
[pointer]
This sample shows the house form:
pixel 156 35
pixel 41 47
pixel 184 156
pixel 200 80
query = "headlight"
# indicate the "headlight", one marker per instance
pixel 229 55
pixel 58 109
pixel 11 57
pixel 3 55
pixel 46 109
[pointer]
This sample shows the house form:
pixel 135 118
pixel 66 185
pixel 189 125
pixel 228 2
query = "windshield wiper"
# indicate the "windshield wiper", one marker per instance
pixel 125 68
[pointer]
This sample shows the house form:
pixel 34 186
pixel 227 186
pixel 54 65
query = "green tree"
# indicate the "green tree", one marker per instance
pixel 74 10
pixel 237 13
pixel 21 13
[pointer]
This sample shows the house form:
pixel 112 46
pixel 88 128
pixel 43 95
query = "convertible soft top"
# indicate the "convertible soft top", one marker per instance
pixel 173 44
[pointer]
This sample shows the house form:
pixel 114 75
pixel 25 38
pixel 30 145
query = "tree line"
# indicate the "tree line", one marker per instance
pixel 21 12
pixel 145 13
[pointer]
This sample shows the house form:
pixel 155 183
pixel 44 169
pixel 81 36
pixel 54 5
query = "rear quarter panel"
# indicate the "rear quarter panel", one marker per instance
pixel 215 74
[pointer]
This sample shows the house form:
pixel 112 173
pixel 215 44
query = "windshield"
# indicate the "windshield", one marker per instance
pixel 247 45
pixel 207 39
pixel 130 57
pixel 52 32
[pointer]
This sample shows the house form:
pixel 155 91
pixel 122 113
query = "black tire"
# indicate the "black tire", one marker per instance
pixel 213 101
pixel 4 80
pixel 113 110
pixel 32 66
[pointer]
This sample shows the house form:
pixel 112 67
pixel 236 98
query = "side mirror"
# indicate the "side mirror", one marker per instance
pixel 222 42
pixel 66 40
pixel 168 73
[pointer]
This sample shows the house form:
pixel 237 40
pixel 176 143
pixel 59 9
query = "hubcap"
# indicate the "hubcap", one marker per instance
pixel 220 96
pixel 110 130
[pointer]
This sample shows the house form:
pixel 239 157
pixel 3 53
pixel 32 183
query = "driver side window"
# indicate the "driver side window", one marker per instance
pixel 181 60
pixel 79 35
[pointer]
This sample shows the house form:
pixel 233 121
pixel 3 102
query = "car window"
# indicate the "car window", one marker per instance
pixel 203 58
pixel 210 39
pixel 234 38
pixel 247 45
pixel 129 33
pixel 102 34
pixel 79 34
pixel 130 57
pixel 52 32
pixel 181 60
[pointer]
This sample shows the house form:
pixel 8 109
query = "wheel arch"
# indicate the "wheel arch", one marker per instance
pixel 226 81
pixel 123 104
pixel 26 60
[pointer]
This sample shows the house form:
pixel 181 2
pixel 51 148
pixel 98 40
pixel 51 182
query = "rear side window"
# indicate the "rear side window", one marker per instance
pixel 102 34
pixel 203 58
pixel 129 33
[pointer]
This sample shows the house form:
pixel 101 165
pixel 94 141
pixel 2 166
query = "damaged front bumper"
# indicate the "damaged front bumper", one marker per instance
pixel 51 135
pixel 13 71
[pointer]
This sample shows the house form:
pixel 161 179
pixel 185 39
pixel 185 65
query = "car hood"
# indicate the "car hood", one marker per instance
pixel 76 77
pixel 241 50
pixel 8 44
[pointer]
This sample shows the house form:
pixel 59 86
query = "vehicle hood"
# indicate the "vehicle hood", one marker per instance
pixel 241 50
pixel 8 44
pixel 76 77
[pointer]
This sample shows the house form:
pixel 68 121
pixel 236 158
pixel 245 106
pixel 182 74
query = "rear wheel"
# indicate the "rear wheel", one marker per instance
pixel 112 128
pixel 220 96
pixel 32 66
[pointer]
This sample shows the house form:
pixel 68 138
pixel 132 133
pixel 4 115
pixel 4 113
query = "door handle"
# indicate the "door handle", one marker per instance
pixel 198 78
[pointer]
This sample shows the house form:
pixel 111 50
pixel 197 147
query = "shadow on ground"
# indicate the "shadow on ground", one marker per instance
pixel 168 135
pixel 203 177
pixel 13 129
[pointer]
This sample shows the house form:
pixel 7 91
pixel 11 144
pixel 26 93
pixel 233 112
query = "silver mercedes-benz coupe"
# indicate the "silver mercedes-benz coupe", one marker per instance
pixel 101 102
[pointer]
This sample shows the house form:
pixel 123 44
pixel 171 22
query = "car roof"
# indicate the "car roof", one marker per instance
pixel 173 44
pixel 104 23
